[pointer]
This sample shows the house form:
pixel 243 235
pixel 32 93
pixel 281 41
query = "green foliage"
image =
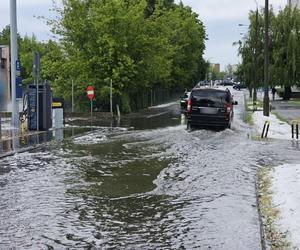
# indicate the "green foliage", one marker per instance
pixel 140 45
pixel 284 49
pixel 125 104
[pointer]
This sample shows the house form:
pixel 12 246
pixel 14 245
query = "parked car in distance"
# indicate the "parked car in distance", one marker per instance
pixel 239 86
pixel 184 101
pixel 210 107
pixel 227 83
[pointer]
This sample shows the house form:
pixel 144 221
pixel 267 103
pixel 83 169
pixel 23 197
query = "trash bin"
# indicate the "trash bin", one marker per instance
pixel 58 113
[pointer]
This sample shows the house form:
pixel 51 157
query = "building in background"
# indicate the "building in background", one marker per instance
pixel 294 3
pixel 215 67
pixel 4 78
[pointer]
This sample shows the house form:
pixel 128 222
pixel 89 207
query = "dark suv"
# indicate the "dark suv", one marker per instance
pixel 210 107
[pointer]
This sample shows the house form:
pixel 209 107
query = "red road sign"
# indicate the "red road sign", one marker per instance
pixel 90 92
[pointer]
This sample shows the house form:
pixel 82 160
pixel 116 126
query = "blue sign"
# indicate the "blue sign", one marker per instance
pixel 18 65
pixel 18 87
pixel 18 68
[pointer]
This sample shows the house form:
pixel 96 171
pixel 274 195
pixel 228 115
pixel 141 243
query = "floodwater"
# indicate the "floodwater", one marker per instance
pixel 144 183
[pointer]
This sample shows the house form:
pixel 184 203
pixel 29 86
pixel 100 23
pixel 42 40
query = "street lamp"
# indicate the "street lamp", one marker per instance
pixel 266 104
pixel 255 58
pixel 14 53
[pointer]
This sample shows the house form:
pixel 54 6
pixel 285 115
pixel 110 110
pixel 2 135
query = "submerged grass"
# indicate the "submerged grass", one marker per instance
pixel 249 118
pixel 249 112
pixel 273 237
pixel 295 101
pixel 279 117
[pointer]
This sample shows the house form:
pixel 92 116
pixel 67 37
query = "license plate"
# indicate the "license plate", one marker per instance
pixel 208 111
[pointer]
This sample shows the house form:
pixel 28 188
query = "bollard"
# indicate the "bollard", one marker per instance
pixel 295 129
pixel 22 124
pixel 265 129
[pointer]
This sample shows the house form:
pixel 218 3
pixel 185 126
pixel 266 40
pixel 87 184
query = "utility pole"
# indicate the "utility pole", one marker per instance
pixel 14 55
pixel 36 74
pixel 72 96
pixel 0 88
pixel 255 58
pixel 111 103
pixel 266 68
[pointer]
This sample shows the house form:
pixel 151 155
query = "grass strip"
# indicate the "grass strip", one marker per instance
pixel 273 237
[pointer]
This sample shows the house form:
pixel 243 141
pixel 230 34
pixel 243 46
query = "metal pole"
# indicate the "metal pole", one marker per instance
pixel 14 54
pixel 111 103
pixel 91 112
pixel 0 87
pixel 36 71
pixel 255 58
pixel 266 69
pixel 0 127
pixel 72 96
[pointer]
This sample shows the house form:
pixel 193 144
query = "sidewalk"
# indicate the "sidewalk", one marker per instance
pixel 281 116
pixel 284 180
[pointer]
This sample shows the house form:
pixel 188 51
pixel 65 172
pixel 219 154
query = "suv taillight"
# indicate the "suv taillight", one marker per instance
pixel 227 108
pixel 189 106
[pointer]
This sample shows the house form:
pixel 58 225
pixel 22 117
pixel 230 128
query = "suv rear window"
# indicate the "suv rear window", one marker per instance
pixel 210 94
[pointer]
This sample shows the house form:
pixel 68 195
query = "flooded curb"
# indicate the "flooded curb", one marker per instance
pixel 23 150
pixel 271 236
pixel 32 140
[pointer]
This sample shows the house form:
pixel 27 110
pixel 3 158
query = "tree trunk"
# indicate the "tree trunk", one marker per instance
pixel 254 94
pixel 250 91
pixel 287 93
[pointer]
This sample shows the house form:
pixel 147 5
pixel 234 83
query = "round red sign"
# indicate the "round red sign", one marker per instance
pixel 90 92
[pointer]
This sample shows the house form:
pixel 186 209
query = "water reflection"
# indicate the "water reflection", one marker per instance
pixel 18 141
pixel 155 187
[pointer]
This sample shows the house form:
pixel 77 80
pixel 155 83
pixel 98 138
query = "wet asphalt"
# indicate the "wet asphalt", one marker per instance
pixel 143 182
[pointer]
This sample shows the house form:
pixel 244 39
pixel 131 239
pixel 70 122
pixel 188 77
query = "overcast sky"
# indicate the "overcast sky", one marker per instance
pixel 221 18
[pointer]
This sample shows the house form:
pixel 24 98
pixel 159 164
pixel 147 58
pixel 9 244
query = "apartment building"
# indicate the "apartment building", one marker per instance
pixel 4 78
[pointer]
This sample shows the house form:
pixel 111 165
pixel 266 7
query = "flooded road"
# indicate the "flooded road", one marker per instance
pixel 146 184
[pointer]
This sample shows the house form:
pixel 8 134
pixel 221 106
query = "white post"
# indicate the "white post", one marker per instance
pixel 91 112
pixel 72 96
pixel 14 55
pixel 111 104
pixel 36 72
pixel 37 105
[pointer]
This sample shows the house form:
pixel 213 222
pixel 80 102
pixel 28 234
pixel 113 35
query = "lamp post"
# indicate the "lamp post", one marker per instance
pixel 255 58
pixel 266 104
pixel 255 84
pixel 14 53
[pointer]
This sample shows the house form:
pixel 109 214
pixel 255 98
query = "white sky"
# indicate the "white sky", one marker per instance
pixel 221 18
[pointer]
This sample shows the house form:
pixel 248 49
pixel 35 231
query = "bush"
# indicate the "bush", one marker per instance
pixel 125 104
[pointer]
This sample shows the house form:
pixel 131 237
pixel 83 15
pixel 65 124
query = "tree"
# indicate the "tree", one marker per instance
pixel 141 45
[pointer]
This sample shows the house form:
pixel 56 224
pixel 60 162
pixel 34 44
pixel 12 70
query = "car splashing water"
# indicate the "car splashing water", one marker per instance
pixel 158 188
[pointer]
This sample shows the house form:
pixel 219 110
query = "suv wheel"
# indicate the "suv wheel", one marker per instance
pixel 229 125
pixel 189 126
